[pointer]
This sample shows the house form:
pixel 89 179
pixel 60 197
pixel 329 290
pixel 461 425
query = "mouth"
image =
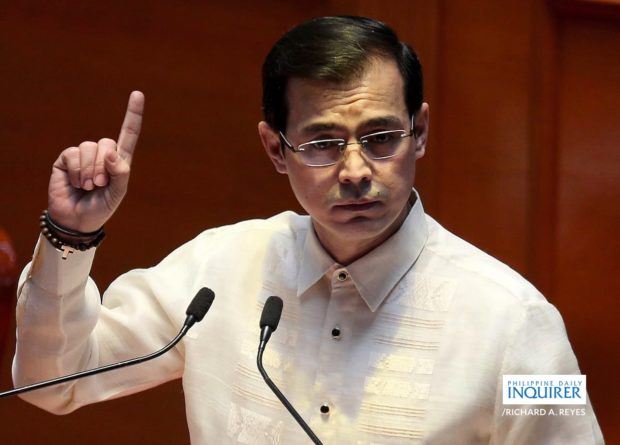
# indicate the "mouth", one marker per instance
pixel 358 206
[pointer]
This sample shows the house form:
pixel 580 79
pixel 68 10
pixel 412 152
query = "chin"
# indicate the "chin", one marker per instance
pixel 362 226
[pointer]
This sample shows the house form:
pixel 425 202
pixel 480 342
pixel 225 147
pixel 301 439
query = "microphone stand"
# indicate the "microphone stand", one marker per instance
pixel 285 402
pixel 88 372
pixel 196 310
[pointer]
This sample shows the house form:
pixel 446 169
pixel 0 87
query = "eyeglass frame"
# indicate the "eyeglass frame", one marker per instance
pixel 342 147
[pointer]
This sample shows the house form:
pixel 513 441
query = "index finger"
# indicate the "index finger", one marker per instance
pixel 130 130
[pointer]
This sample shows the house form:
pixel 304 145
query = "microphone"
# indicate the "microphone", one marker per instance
pixel 195 312
pixel 269 320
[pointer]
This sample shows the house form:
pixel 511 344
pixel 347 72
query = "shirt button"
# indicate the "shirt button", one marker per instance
pixel 336 333
pixel 324 409
pixel 342 276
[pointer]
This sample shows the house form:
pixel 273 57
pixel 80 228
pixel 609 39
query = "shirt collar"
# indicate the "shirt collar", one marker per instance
pixel 396 256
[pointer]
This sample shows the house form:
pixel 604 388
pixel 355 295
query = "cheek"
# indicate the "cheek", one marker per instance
pixel 308 187
pixel 409 169
pixel 411 175
pixel 402 176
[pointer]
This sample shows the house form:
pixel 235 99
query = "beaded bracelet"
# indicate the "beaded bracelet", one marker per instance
pixel 68 240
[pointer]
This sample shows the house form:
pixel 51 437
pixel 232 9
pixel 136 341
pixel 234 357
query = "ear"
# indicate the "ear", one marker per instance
pixel 421 130
pixel 273 146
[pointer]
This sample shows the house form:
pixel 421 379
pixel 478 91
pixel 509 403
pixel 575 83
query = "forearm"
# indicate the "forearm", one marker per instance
pixel 57 310
pixel 62 328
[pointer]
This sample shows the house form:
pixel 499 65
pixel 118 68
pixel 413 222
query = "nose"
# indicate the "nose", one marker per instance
pixel 355 167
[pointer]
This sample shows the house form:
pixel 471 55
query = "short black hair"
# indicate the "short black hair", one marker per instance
pixel 334 49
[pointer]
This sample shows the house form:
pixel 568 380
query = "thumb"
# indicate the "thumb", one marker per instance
pixel 118 171
pixel 115 165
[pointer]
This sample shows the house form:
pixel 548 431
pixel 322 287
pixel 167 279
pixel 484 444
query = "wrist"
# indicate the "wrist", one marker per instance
pixel 66 239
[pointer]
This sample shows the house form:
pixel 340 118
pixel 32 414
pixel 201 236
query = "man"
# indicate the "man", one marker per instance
pixel 394 331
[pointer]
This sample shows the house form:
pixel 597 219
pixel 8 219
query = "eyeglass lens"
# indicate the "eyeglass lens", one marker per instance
pixel 379 145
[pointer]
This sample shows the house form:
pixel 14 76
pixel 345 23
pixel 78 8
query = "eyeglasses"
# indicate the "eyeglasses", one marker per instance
pixel 325 152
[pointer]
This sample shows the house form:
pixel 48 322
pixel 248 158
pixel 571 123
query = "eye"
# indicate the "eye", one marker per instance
pixel 381 138
pixel 323 145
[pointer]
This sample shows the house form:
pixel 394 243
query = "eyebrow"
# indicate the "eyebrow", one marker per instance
pixel 318 127
pixel 382 121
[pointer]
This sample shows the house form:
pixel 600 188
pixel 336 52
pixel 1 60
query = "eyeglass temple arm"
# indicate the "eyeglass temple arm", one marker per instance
pixel 413 132
pixel 285 143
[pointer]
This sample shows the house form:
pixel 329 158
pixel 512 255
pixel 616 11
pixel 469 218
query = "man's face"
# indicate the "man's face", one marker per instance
pixel 357 203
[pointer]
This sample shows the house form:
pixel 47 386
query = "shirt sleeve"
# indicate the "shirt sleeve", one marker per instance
pixel 62 328
pixel 539 345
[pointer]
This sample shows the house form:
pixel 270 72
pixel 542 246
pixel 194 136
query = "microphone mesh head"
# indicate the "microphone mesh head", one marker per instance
pixel 271 313
pixel 201 303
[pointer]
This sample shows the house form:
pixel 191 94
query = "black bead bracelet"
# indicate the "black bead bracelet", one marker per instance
pixel 68 240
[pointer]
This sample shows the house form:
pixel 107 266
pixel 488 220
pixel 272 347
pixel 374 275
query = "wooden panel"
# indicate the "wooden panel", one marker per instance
pixel 598 9
pixel 484 122
pixel 542 181
pixel 588 245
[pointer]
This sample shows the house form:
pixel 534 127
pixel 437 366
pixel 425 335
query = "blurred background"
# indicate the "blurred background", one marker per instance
pixel 523 159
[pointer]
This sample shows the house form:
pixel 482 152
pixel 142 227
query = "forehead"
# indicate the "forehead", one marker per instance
pixel 377 92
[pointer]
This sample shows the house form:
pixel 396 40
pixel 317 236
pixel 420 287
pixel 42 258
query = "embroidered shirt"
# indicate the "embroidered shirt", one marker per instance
pixel 406 345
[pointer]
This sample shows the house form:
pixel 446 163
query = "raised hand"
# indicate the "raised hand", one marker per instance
pixel 88 182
